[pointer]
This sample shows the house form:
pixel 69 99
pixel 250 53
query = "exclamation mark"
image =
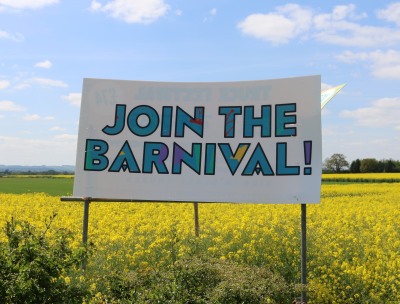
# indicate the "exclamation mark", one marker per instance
pixel 307 156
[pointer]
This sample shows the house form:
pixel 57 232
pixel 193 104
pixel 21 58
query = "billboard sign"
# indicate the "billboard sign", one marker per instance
pixel 247 141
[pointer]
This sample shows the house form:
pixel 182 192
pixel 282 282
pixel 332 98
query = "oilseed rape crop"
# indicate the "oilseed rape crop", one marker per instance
pixel 365 177
pixel 353 238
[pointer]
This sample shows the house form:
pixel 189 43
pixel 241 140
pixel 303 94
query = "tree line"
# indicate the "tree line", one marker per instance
pixel 29 172
pixel 337 163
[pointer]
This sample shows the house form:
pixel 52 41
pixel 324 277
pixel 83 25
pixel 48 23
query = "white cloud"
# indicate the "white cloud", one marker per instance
pixel 49 82
pixel 73 98
pixel 4 84
pixel 383 112
pixel 17 37
pixel 46 64
pixel 34 117
pixel 352 57
pixel 339 27
pixel 68 137
pixel 341 32
pixel 211 14
pixel 391 13
pixel 26 4
pixel 94 6
pixel 21 86
pixel 44 82
pixel 57 128
pixel 26 151
pixel 278 27
pixel 383 64
pixel 133 11
pixel 6 105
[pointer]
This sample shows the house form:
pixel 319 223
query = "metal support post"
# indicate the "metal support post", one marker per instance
pixel 196 219
pixel 304 253
pixel 85 228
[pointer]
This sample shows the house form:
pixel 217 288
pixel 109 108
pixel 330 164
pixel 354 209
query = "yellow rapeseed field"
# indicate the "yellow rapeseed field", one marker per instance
pixel 366 177
pixel 353 236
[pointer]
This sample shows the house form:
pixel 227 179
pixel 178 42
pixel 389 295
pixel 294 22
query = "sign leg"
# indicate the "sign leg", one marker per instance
pixel 304 253
pixel 196 219
pixel 85 229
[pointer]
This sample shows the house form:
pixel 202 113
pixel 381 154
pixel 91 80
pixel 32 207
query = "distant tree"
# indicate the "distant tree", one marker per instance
pixel 355 166
pixel 336 163
pixel 369 165
pixel 50 172
pixel 389 166
pixel 381 166
pixel 396 166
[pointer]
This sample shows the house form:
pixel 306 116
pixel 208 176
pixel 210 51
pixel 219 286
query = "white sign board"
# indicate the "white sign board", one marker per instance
pixel 248 142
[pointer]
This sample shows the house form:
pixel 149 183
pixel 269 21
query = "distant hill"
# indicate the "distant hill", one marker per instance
pixel 36 169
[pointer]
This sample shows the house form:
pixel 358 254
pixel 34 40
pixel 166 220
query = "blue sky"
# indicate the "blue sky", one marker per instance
pixel 47 47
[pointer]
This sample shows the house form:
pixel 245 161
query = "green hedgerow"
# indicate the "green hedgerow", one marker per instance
pixel 35 269
pixel 198 280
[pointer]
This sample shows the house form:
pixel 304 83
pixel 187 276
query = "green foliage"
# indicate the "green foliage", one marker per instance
pixel 369 165
pixel 250 284
pixel 355 166
pixel 42 267
pixel 336 163
pixel 372 165
pixel 197 280
pixel 366 165
pixel 34 269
